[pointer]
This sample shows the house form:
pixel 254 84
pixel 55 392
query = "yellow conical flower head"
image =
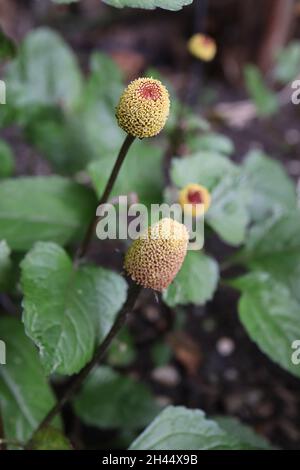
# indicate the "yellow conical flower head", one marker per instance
pixel 143 108
pixel 195 199
pixel 154 259
pixel 202 47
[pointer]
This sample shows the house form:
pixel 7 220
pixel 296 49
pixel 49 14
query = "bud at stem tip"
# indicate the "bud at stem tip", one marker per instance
pixel 143 108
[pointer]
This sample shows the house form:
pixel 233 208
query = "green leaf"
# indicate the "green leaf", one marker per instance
pixel 277 235
pixel 43 208
pixel 7 46
pixel 210 142
pixel 270 316
pixel 45 73
pixel 49 439
pixel 272 191
pixel 104 70
pixel 100 130
pixel 243 433
pixel 270 307
pixel 67 311
pixel 7 164
pixel 288 63
pixel 110 400
pixel 72 134
pixel 92 133
pixel 228 214
pixel 284 268
pixel 25 397
pixel 61 140
pixel 178 428
pixel 70 140
pixel 274 246
pixel 5 265
pixel 121 352
pixel 150 4
pixel 206 168
pixel 141 173
pixel 192 122
pixel 265 100
pixel 195 283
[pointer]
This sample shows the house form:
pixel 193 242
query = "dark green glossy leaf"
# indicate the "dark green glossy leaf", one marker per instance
pixel 25 396
pixel 67 312
pixel 110 400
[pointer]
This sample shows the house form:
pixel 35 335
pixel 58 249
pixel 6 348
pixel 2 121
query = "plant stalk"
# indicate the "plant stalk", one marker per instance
pixel 84 246
pixel 133 293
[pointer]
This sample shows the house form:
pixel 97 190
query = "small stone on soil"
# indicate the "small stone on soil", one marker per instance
pixel 225 346
pixel 166 375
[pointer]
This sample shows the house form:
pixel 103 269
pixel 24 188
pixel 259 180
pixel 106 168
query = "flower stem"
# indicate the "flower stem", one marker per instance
pixel 84 246
pixel 133 293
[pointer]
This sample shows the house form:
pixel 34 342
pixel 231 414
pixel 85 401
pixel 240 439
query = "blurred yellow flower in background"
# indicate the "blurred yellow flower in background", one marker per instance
pixel 202 47
pixel 195 198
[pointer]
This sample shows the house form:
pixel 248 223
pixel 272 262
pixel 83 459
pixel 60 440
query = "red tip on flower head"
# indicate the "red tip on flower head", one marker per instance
pixel 195 197
pixel 207 41
pixel 150 91
pixel 143 108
